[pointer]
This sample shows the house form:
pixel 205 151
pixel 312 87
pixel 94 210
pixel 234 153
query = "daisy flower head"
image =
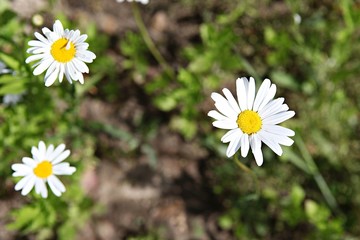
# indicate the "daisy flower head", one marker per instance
pixel 140 1
pixel 60 52
pixel 42 168
pixel 252 119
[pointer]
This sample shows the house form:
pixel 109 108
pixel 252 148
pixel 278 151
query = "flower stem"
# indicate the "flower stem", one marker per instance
pixel 249 171
pixel 149 42
pixel 314 171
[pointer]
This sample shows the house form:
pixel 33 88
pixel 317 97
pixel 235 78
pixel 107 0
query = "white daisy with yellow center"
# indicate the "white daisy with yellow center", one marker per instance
pixel 42 168
pixel 252 119
pixel 61 52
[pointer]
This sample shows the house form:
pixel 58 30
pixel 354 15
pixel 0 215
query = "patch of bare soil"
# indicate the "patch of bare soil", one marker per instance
pixel 138 195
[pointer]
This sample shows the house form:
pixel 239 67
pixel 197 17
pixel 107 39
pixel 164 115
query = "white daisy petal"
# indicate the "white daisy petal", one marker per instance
pixel 86 56
pixel 63 169
pixel 81 39
pixel 29 185
pixel 233 146
pixel 21 173
pixel 230 98
pixel 35 153
pixel 270 95
pixel 61 157
pixel 34 58
pixel 283 140
pixel 29 162
pixel 241 93
pixel 75 35
pixel 261 94
pixel 226 110
pixel 43 190
pixel 42 149
pixel 20 169
pixel 56 183
pixel 49 151
pixel 225 124
pixel 216 115
pixel 246 84
pixel 258 156
pixel 58 28
pixel 53 188
pixel 67 74
pixel 44 64
pixel 58 150
pixel 38 185
pixel 71 70
pixel 61 72
pixel 279 118
pixel 270 107
pixel 37 51
pixel 245 145
pixel 270 142
pixel 45 30
pixel 81 66
pixel 251 93
pixel 231 135
pixel 223 106
pixel 80 77
pixel 52 36
pixel 41 38
pixel 52 77
pixel 255 144
pixel 279 130
pixel 22 182
pixel 36 43
pixel 82 46
pixel 276 110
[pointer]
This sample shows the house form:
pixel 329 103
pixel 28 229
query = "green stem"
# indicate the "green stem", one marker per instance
pixel 149 42
pixel 313 170
pixel 247 170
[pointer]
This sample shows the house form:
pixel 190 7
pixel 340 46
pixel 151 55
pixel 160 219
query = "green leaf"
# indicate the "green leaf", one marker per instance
pixel 11 62
pixel 13 88
pixel 284 80
pixel 8 79
pixel 24 217
pixel 6 16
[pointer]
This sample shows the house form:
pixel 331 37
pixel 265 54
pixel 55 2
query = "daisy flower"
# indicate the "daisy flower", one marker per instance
pixel 252 119
pixel 140 1
pixel 60 52
pixel 42 168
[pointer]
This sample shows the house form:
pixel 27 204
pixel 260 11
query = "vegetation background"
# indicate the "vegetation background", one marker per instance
pixel 150 164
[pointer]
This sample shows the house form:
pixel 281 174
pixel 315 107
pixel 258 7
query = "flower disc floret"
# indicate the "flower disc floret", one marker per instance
pixel 249 122
pixel 63 50
pixel 43 169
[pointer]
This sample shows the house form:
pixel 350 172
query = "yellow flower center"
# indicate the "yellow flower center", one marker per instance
pixel 249 122
pixel 43 169
pixel 63 50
